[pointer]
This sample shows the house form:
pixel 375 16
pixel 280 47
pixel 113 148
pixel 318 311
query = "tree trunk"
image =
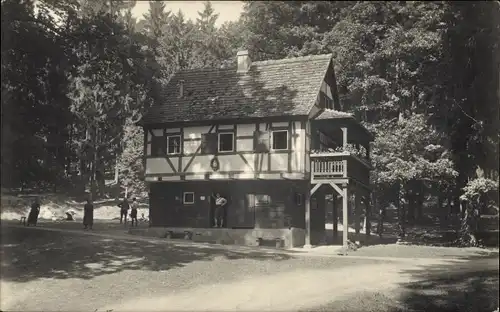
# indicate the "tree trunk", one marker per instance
pixel 117 171
pixel 420 198
pixel 368 214
pixel 440 209
pixel 381 214
pixel 468 227
pixel 83 176
pixel 420 206
pixel 116 182
pixel 400 202
pixel 93 165
pixel 411 208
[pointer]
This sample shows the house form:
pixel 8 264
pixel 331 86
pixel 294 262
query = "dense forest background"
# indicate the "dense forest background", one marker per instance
pixel 424 76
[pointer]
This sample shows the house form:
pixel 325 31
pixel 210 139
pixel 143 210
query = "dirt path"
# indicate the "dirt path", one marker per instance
pixel 68 270
pixel 290 291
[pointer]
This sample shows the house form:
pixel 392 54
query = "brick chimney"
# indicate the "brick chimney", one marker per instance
pixel 181 88
pixel 244 61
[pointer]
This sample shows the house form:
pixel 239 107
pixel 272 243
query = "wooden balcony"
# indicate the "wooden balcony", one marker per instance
pixel 330 166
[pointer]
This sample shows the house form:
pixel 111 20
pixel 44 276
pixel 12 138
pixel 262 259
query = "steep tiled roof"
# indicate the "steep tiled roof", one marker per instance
pixel 269 88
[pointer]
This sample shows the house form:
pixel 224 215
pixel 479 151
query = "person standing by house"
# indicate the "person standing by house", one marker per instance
pixel 88 214
pixel 34 212
pixel 124 206
pixel 133 213
pixel 220 203
pixel 381 219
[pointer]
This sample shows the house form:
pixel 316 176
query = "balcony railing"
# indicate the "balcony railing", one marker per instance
pixel 331 165
pixel 326 167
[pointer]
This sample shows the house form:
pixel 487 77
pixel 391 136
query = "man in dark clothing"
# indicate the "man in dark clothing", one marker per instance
pixel 133 213
pixel 88 214
pixel 34 212
pixel 381 218
pixel 124 206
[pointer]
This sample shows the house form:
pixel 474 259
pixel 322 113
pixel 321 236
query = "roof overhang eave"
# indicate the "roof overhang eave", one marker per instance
pixel 348 121
pixel 240 120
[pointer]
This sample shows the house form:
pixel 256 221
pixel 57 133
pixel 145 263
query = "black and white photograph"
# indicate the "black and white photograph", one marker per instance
pixel 306 156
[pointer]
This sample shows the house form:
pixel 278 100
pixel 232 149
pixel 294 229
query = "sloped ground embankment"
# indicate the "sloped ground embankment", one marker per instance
pixel 54 207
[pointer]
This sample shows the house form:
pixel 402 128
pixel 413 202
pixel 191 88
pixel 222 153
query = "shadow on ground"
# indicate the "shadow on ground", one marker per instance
pixel 470 286
pixel 467 286
pixel 29 254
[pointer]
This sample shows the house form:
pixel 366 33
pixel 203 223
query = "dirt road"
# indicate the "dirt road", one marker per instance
pixel 51 271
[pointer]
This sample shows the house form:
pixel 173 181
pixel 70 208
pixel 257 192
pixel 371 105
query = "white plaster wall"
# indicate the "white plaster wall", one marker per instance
pixel 279 162
pixel 195 132
pixel 245 129
pixel 228 163
pixel 200 164
pixel 226 127
pixel 298 148
pixel 262 161
pixel 244 145
pixel 158 165
pixel 280 124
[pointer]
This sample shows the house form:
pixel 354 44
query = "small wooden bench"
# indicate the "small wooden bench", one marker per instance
pixel 188 235
pixel 278 242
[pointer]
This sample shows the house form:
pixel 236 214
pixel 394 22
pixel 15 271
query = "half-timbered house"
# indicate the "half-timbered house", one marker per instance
pixel 271 138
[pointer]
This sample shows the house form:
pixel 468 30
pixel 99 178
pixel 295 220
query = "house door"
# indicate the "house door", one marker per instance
pixel 243 212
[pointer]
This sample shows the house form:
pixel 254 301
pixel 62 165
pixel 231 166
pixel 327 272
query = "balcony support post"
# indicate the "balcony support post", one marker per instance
pixel 344 138
pixel 335 215
pixel 368 212
pixel 307 243
pixel 345 224
pixel 356 208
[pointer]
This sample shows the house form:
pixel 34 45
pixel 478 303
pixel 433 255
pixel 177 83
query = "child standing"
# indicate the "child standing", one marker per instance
pixel 133 213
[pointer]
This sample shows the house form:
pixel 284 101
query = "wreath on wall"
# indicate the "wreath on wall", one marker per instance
pixel 214 164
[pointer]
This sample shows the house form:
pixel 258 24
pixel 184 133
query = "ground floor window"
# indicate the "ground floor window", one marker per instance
pixel 188 198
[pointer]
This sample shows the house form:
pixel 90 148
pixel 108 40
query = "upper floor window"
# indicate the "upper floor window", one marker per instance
pixel 226 142
pixel 279 140
pixel 328 101
pixel 173 144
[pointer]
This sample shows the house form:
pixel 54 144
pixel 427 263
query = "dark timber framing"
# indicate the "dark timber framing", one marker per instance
pixel 257 168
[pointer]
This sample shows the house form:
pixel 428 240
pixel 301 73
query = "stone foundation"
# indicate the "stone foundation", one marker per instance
pixel 284 238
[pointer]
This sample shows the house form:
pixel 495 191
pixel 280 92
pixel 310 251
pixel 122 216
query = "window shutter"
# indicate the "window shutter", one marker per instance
pixel 158 146
pixel 209 143
pixel 262 141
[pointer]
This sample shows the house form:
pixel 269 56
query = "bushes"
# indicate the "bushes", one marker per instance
pixel 475 201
